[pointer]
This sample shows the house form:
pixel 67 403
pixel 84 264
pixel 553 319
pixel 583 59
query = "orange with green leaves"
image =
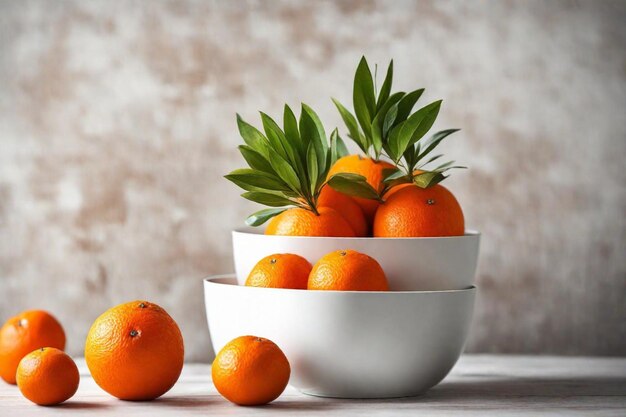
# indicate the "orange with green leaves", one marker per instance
pixel 291 167
pixel 386 126
pixel 287 170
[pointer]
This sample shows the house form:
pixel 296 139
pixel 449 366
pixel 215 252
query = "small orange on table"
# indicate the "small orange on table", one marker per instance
pixel 281 270
pixel 24 333
pixel 250 370
pixel 135 351
pixel 347 270
pixel 47 376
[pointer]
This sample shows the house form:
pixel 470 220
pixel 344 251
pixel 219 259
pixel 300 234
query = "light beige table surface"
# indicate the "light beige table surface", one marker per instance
pixel 479 385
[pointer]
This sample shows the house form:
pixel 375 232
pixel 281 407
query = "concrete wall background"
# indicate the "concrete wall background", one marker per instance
pixel 117 123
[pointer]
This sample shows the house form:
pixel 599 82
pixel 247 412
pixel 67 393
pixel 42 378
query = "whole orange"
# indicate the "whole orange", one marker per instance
pixel 281 270
pixel 24 333
pixel 47 376
pixel 347 270
pixel 135 351
pixel 420 212
pixel 372 171
pixel 250 370
pixel 302 222
pixel 345 206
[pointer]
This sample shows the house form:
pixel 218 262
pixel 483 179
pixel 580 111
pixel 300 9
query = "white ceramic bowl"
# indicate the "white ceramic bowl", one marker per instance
pixel 429 263
pixel 348 344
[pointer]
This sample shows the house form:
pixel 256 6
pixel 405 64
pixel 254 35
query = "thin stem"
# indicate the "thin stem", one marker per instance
pixel 312 207
pixel 375 80
pixel 404 167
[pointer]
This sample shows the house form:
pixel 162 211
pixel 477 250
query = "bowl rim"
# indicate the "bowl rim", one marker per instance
pixel 212 280
pixel 247 231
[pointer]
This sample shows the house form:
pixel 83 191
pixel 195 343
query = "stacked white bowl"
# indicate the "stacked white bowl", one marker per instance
pixel 355 344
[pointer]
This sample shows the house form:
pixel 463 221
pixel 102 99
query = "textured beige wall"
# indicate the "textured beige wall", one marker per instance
pixel 117 123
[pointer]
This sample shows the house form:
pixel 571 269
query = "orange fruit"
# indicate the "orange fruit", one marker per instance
pixel 302 222
pixel 372 171
pixel 24 333
pixel 250 370
pixel 281 270
pixel 347 270
pixel 412 211
pixel 135 351
pixel 47 376
pixel 345 206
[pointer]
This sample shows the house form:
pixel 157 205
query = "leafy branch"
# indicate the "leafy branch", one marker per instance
pixel 385 125
pixel 288 166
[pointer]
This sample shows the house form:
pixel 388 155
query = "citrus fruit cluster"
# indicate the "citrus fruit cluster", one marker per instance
pixel 134 351
pixel 314 187
pixel 341 270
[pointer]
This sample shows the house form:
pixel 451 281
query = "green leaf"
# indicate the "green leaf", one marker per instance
pixel 409 156
pixel 291 152
pixel 342 149
pixel 364 97
pixel 444 166
pixel 390 118
pixel 312 167
pixel 392 174
pixel 431 112
pixel 267 199
pixel 351 124
pixel 255 160
pixel 246 178
pixel 323 175
pixel 435 140
pixel 405 179
pixel 406 105
pixel 390 146
pixel 390 112
pixel 286 172
pixel 260 217
pixel 428 179
pixel 311 124
pixel 377 139
pixel 276 136
pixel 434 158
pixel 378 136
pixel 291 130
pixel 448 166
pixel 337 147
pixel 353 185
pixel 414 128
pixel 252 137
pixel 385 90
